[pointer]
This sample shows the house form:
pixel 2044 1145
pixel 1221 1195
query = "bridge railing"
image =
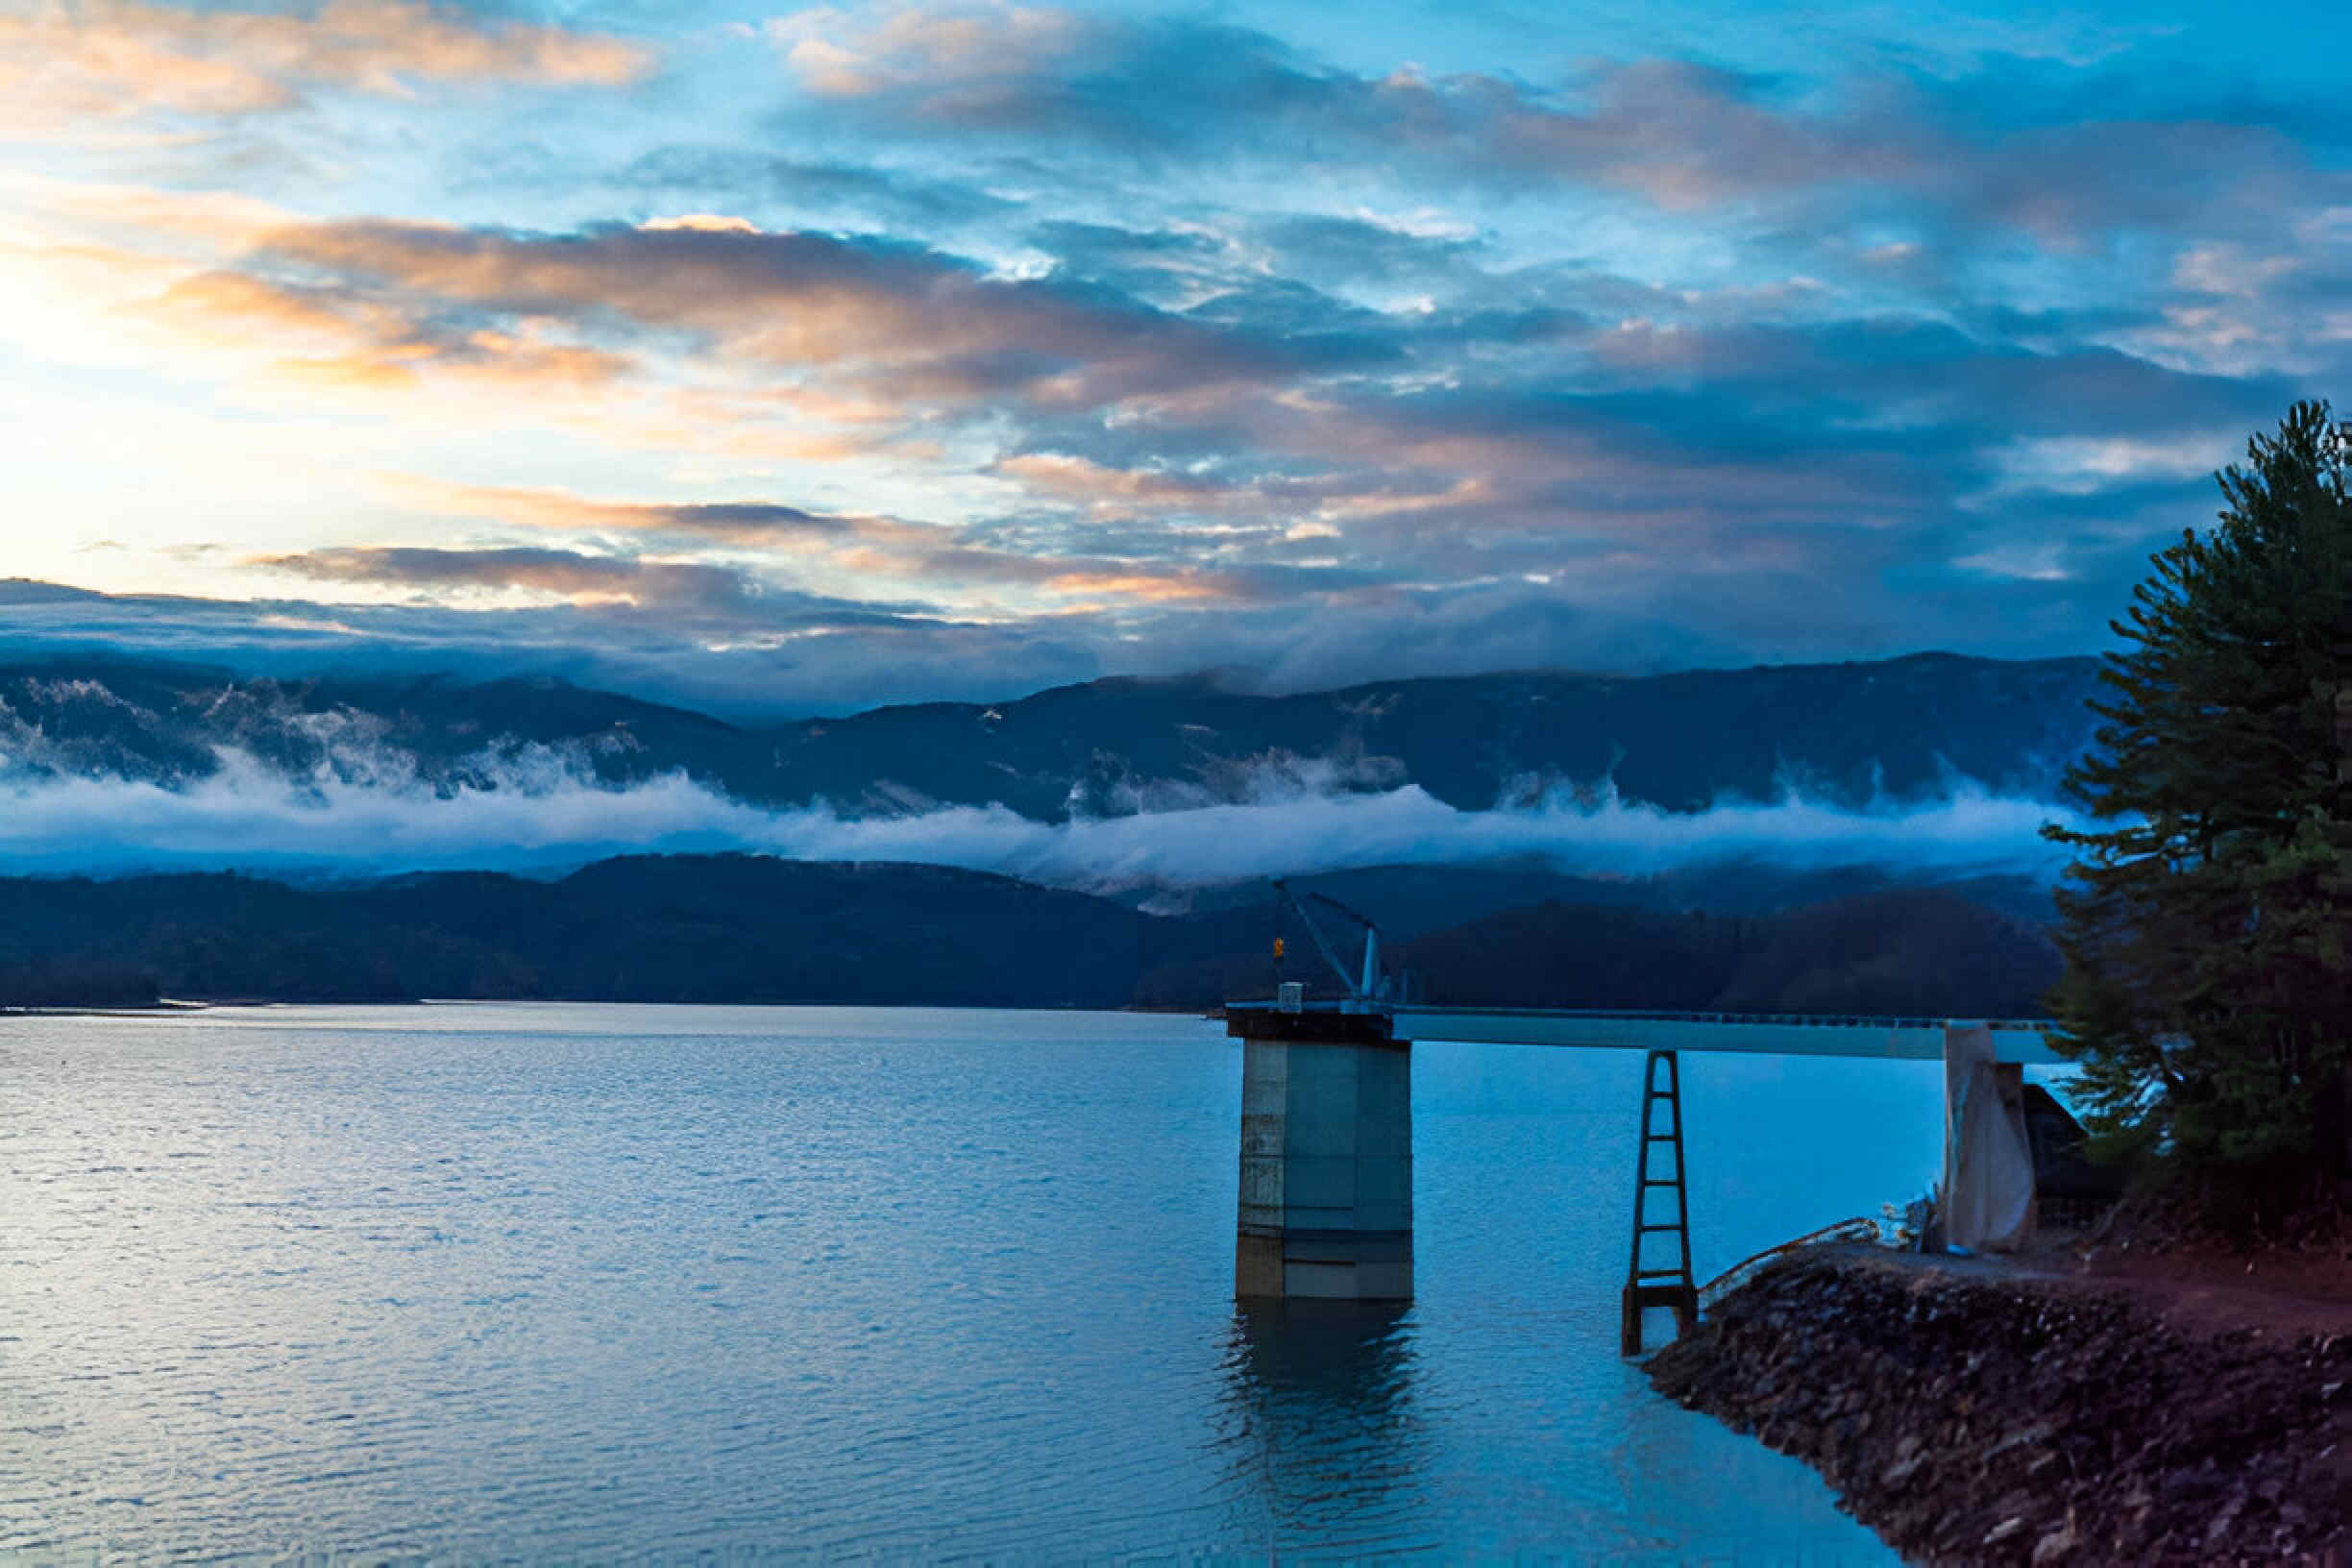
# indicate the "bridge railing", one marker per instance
pixel 1845 1232
pixel 1604 1014
pixel 1823 1021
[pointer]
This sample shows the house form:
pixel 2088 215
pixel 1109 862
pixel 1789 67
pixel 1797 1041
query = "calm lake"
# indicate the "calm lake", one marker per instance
pixel 572 1282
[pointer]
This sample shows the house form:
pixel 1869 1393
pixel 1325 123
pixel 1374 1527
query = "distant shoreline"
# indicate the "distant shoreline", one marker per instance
pixel 171 1006
pixel 105 1010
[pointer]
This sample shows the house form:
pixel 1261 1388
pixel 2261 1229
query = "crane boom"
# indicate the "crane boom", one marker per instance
pixel 1365 986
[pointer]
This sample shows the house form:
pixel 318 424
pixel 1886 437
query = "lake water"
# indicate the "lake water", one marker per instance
pixel 586 1283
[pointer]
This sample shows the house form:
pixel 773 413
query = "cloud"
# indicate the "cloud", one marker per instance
pixel 990 346
pixel 946 561
pixel 770 655
pixel 541 807
pixel 916 324
pixel 1758 444
pixel 568 575
pixel 737 523
pixel 2069 148
pixel 1118 490
pixel 1240 436
pixel 728 596
pixel 324 337
pixel 812 189
pixel 61 69
pixel 1363 250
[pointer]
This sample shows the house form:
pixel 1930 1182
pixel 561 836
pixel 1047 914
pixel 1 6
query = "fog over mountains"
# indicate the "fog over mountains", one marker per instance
pixel 1933 763
pixel 1586 836
pixel 1850 736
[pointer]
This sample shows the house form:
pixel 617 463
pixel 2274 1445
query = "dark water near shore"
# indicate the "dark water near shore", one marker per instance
pixel 594 1281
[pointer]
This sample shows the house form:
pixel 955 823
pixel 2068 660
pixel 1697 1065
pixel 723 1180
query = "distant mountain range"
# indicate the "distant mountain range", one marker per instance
pixel 1824 930
pixel 1904 729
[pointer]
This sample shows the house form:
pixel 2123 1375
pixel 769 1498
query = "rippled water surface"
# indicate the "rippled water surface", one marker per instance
pixel 592 1282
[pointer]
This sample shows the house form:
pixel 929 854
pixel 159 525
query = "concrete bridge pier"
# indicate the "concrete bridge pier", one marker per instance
pixel 1326 1209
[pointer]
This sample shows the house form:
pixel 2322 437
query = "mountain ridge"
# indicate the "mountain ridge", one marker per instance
pixel 1850 734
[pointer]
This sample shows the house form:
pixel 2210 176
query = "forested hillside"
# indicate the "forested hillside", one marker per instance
pixel 733 928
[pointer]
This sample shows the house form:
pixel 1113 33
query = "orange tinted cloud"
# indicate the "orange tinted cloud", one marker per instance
pixel 767 523
pixel 883 548
pixel 1150 587
pixel 1114 490
pixel 61 68
pixel 106 265
pixel 894 319
pixel 837 56
pixel 565 574
pixel 231 306
pixel 329 337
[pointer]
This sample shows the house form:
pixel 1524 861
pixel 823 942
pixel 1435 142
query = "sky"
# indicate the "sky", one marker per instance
pixel 799 361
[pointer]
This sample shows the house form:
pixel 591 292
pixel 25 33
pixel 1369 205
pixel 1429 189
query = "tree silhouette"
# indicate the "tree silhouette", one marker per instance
pixel 2204 924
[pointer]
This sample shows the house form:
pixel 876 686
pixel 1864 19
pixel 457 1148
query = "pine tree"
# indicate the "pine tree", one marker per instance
pixel 2208 992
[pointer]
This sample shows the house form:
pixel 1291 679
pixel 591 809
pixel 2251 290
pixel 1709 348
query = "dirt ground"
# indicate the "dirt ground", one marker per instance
pixel 2204 1286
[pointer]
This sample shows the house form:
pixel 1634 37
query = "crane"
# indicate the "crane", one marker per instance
pixel 1367 987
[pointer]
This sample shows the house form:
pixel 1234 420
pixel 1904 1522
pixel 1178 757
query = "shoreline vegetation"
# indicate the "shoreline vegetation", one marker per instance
pixel 745 929
pixel 43 983
pixel 165 1006
pixel 2181 1392
pixel 2044 1409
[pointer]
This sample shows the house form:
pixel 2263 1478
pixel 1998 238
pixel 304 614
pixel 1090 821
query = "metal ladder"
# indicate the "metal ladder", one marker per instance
pixel 1660 1287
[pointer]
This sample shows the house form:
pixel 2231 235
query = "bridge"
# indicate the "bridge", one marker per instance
pixel 1326 1190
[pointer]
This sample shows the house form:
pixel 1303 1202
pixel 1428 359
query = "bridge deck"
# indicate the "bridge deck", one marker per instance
pixel 1911 1040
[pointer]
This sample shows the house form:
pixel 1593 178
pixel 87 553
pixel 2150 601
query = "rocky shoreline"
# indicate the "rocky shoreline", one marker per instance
pixel 1978 1414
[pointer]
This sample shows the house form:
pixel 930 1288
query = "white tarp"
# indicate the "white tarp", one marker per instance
pixel 1988 1159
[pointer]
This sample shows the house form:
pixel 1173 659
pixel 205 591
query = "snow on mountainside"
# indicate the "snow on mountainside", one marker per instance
pixel 1850 735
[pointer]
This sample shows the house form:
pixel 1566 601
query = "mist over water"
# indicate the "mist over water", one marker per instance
pixel 546 817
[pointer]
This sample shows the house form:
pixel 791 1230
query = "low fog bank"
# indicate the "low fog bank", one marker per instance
pixel 549 818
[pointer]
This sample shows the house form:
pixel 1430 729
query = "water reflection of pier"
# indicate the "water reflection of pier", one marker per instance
pixel 1318 1420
